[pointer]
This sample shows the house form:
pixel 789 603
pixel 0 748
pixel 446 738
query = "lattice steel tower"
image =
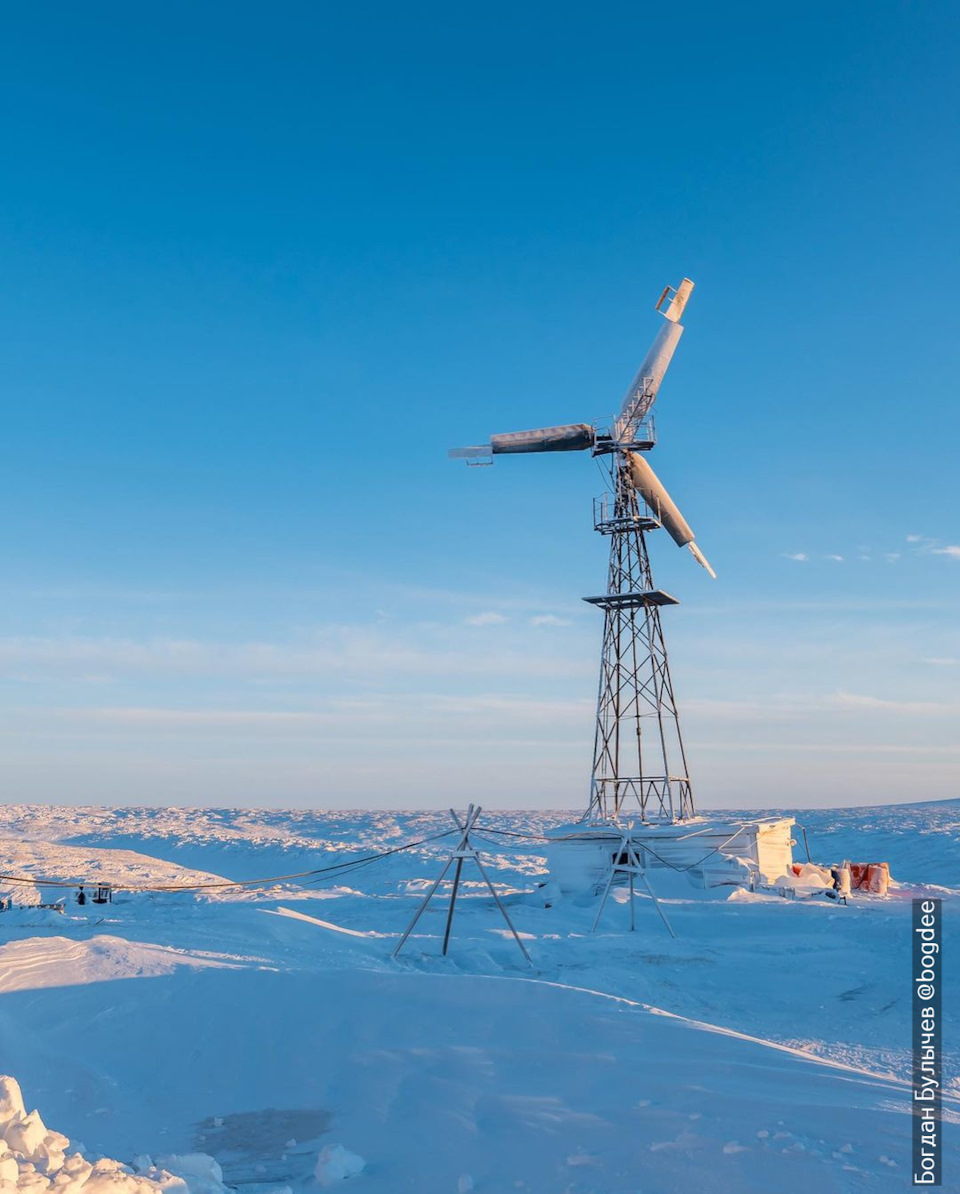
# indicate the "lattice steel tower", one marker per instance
pixel 639 763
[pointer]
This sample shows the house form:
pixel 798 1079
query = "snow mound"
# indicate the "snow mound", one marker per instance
pixel 34 1158
pixel 335 1163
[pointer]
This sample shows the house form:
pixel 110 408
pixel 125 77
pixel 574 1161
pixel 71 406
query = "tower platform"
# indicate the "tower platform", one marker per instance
pixel 632 600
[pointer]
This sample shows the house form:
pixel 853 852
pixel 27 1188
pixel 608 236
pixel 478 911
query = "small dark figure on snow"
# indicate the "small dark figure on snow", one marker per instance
pixel 81 895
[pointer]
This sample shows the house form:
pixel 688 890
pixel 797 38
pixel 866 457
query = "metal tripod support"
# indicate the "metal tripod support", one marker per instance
pixel 626 861
pixel 463 852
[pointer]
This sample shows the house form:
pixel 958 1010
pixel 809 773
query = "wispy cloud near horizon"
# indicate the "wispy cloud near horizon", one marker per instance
pixel 489 617
pixel 342 650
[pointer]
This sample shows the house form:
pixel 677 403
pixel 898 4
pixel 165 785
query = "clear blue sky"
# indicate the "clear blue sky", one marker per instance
pixel 263 264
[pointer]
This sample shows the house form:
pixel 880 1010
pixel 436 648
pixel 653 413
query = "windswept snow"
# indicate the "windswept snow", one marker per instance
pixel 767 1047
pixel 36 962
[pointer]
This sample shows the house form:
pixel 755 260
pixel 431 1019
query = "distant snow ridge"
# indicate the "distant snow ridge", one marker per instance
pixel 34 1158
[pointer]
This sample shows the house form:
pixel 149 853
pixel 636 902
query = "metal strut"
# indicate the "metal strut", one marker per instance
pixel 463 852
pixel 626 861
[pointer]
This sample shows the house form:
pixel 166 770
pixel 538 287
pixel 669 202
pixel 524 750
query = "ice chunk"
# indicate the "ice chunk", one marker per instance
pixel 11 1101
pixel 201 1172
pixel 33 1161
pixel 24 1136
pixel 335 1163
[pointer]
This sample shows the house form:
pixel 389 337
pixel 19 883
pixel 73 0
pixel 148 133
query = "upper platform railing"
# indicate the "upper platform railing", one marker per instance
pixel 643 439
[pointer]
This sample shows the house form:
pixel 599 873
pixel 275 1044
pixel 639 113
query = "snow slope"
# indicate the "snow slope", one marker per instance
pixel 765 1048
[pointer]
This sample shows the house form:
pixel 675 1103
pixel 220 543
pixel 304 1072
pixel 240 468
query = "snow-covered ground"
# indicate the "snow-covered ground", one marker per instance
pixel 766 1048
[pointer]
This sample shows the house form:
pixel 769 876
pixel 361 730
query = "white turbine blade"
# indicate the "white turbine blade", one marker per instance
pixel 652 490
pixel 644 388
pixel 701 558
pixel 470 453
pixel 649 486
pixel 571 437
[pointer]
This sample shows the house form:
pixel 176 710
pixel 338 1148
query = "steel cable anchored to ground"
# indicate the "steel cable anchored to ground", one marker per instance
pixel 315 875
pixel 334 870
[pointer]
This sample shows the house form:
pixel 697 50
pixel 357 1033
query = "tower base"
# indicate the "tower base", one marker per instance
pixel 708 853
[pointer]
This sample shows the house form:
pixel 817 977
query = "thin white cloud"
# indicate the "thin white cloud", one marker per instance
pixel 919 545
pixel 853 700
pixel 748 711
pixel 924 545
pixel 408 711
pixel 326 652
pixel 549 620
pixel 791 708
pixel 869 749
pixel 488 618
pixel 942 661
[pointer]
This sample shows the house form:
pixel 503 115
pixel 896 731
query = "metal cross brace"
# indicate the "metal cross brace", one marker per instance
pixel 463 851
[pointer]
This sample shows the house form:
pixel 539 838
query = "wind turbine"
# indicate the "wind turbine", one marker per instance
pixel 639 763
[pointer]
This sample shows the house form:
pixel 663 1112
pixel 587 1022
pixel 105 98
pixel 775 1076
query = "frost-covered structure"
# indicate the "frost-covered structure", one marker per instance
pixel 708 853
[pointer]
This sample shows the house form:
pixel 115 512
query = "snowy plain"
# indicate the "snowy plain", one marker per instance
pixel 767 1048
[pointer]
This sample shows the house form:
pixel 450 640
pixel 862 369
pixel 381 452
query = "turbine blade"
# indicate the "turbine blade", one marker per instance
pixel 644 388
pixel 654 493
pixel 571 437
pixel 646 385
pixel 649 486
pixel 701 558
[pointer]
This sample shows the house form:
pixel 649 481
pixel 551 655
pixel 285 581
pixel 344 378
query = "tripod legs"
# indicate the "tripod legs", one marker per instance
pixel 463 851
pixel 631 867
pixel 453 901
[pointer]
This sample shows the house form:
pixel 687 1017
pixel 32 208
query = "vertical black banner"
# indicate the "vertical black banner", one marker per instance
pixel 925 1009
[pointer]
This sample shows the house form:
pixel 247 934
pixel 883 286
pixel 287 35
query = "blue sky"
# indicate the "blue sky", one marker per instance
pixel 264 264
